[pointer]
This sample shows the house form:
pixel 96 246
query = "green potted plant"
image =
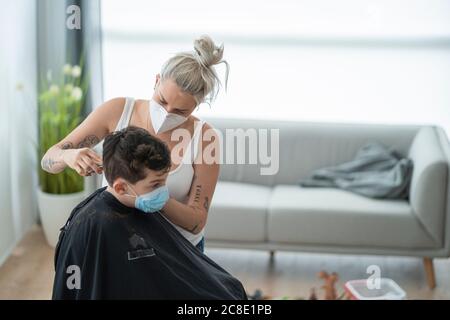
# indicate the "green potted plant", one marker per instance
pixel 61 107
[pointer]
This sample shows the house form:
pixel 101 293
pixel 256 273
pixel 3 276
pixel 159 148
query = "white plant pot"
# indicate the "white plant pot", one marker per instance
pixel 54 210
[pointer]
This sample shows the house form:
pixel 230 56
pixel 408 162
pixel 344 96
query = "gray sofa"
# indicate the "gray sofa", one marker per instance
pixel 271 212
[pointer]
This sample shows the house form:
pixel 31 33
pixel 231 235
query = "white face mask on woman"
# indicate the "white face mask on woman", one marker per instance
pixel 162 120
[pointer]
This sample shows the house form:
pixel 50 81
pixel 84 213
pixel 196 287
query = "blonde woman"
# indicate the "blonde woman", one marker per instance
pixel 186 80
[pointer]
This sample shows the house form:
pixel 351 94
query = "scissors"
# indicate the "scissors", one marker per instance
pixel 90 172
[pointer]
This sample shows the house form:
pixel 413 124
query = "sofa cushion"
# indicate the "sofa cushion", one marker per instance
pixel 238 212
pixel 328 216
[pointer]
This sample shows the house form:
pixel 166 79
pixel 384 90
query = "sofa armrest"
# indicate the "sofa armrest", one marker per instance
pixel 428 192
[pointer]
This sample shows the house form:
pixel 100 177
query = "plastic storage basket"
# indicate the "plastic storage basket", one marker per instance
pixel 388 290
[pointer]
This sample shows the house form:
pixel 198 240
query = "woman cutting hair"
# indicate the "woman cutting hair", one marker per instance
pixel 186 80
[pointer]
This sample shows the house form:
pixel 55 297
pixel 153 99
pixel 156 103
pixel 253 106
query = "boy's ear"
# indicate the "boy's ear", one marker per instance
pixel 120 187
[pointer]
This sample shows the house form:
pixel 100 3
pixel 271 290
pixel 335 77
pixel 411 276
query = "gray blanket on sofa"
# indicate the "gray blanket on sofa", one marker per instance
pixel 376 172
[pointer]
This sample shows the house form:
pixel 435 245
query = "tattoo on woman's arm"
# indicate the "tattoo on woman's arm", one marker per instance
pixel 48 163
pixel 89 141
pixel 206 204
pixel 198 190
pixel 67 145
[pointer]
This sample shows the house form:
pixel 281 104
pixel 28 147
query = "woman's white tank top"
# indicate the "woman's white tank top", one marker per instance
pixel 180 179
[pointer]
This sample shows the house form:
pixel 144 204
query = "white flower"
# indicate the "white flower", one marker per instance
pixel 67 69
pixel 77 93
pixel 68 87
pixel 54 89
pixel 76 71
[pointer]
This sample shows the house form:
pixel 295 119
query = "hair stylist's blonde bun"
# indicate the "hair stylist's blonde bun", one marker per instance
pixel 207 52
pixel 194 71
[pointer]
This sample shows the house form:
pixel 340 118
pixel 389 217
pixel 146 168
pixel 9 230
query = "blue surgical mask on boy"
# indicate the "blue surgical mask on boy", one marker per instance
pixel 152 201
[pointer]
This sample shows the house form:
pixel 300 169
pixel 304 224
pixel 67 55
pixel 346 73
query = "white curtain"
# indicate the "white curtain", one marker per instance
pixel 18 121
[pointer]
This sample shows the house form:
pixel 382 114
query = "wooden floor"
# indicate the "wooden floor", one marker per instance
pixel 28 273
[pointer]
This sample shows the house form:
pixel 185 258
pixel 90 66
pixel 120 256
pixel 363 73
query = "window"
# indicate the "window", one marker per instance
pixel 385 61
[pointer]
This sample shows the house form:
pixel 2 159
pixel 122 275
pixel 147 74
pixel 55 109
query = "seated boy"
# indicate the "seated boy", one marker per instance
pixel 116 245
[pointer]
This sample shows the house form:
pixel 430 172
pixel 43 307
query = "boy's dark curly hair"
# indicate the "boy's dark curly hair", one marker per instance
pixel 126 153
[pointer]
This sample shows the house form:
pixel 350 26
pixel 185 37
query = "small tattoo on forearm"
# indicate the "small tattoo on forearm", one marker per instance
pixel 48 163
pixel 206 204
pixel 67 145
pixel 89 141
pixel 198 190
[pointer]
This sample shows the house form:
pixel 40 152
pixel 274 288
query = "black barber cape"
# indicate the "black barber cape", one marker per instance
pixel 107 250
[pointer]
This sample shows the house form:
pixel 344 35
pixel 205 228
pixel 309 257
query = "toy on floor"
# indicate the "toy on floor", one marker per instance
pixel 329 286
